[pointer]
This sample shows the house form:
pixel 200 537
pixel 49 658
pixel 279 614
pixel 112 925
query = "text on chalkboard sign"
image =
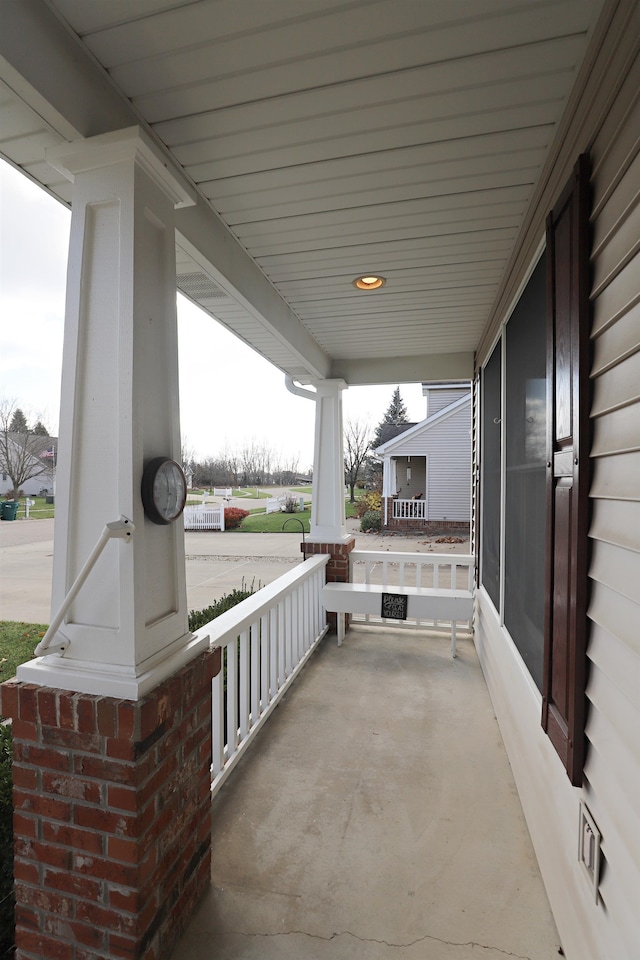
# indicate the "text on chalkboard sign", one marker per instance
pixel 394 606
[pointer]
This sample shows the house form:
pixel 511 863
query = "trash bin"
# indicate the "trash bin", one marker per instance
pixel 10 509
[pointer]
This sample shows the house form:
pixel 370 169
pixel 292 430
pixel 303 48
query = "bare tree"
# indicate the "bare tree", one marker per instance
pixel 20 450
pixel 357 441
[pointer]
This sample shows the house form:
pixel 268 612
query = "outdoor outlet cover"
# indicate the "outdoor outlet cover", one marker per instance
pixel 589 839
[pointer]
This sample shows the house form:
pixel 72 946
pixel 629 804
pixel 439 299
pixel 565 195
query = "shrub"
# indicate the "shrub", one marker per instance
pixel 233 517
pixel 290 505
pixel 198 618
pixel 370 501
pixel 372 520
pixel 6 842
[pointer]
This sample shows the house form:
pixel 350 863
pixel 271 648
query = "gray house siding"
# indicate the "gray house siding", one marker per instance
pixel 440 397
pixel 449 471
pixel 440 464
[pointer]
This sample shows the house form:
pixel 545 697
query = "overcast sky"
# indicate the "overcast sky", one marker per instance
pixel 229 395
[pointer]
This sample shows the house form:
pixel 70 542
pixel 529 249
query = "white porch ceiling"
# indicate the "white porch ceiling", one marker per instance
pixel 326 139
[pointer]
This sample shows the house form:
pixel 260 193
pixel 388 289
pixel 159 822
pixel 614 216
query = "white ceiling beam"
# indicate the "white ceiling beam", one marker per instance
pixel 203 236
pixel 413 369
pixel 50 70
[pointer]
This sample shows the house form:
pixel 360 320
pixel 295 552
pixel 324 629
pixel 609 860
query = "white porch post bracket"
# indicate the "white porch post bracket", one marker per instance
pixel 327 508
pixel 121 529
pixel 126 630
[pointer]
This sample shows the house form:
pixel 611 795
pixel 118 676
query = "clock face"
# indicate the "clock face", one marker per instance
pixel 164 490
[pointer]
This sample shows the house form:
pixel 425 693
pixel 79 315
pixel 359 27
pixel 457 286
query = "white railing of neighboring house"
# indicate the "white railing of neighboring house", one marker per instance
pixel 275 504
pixel 265 642
pixel 409 509
pixel 445 571
pixel 204 516
pixel 222 492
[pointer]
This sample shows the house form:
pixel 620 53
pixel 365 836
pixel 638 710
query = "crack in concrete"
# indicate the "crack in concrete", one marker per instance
pixel 386 943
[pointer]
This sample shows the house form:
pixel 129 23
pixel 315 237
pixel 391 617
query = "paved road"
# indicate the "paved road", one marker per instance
pixel 217 563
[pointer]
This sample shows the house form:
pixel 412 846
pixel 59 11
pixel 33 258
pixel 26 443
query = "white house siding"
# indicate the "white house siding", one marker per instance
pixel 609 930
pixel 612 770
pixel 30 488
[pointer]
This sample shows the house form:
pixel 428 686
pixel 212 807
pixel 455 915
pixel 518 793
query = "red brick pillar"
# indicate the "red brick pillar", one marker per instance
pixel 112 816
pixel 337 568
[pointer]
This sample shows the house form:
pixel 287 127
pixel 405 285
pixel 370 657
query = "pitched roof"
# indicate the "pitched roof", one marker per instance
pixel 390 430
pixel 409 429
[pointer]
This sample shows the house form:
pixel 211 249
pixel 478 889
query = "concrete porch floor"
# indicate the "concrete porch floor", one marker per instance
pixel 375 817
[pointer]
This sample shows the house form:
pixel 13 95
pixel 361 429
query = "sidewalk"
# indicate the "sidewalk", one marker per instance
pixel 216 563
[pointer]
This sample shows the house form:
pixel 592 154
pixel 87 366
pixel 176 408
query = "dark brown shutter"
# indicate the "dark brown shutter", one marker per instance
pixel 563 692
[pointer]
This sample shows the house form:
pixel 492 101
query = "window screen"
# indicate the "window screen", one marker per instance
pixel 525 449
pixel 491 439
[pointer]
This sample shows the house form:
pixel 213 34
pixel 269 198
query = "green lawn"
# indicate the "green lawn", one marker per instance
pixel 350 508
pixel 41 510
pixel 272 523
pixel 241 493
pixel 17 643
pixel 308 489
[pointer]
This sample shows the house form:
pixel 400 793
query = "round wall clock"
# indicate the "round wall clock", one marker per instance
pixel 164 490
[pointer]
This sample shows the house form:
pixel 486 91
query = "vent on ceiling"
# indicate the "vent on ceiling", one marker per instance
pixel 198 286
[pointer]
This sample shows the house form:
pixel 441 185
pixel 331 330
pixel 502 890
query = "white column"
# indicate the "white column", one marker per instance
pixel 327 510
pixel 127 629
pixel 389 486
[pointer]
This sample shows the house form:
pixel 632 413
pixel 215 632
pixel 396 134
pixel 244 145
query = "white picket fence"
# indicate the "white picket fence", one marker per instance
pixel 222 492
pixel 204 516
pixel 265 642
pixel 275 504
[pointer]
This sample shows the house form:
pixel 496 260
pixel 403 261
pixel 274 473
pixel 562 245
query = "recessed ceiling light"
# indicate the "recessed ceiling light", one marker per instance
pixel 369 282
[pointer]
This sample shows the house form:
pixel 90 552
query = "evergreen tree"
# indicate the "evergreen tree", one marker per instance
pixel 18 422
pixel 40 430
pixel 396 413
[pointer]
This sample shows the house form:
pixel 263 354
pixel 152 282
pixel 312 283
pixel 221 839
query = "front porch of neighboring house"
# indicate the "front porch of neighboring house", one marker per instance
pixel 426 473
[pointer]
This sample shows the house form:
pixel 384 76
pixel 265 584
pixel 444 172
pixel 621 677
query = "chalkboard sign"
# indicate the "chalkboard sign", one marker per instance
pixel 394 606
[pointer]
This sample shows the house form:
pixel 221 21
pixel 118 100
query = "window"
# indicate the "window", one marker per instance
pixel 525 472
pixel 491 444
pixel 534 540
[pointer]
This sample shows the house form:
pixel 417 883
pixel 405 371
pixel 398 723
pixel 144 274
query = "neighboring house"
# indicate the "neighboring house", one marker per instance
pixel 426 480
pixel 41 465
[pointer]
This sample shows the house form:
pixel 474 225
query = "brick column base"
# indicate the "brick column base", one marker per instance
pixel 337 568
pixel 112 816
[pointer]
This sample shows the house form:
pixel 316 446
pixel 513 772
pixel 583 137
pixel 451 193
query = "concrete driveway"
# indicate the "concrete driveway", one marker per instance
pixel 216 563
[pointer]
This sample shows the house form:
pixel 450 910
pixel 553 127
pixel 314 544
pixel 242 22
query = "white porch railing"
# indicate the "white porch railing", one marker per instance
pixel 445 571
pixel 265 641
pixel 409 509
pixel 204 516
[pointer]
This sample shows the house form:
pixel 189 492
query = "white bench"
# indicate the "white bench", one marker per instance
pixel 423 603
